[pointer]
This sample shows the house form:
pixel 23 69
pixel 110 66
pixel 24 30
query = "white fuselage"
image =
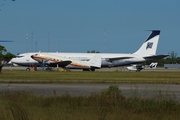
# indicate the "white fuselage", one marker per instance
pixel 26 60
pixel 147 51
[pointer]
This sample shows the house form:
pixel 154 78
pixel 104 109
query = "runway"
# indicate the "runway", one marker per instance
pixel 114 69
pixel 136 90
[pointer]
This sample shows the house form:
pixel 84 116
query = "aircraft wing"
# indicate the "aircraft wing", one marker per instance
pixel 117 58
pixel 156 57
pixel 51 60
pixel 60 64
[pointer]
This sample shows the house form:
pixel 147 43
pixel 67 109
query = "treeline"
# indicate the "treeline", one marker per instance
pixel 5 56
pixel 167 60
pixel 171 59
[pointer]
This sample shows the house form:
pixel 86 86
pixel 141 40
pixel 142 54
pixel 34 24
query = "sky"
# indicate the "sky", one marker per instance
pixel 111 26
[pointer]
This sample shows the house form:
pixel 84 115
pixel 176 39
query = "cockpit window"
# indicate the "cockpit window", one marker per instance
pixel 19 56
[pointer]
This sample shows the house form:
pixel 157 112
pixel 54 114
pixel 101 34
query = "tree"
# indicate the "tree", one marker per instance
pixel 5 57
pixel 172 57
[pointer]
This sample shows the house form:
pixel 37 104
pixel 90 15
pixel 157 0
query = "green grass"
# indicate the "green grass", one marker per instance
pixel 16 76
pixel 108 105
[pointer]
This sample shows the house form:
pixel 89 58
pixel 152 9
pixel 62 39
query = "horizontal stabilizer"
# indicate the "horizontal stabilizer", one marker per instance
pixel 156 57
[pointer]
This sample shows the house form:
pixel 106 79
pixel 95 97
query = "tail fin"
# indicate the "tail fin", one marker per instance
pixel 95 61
pixel 153 65
pixel 149 47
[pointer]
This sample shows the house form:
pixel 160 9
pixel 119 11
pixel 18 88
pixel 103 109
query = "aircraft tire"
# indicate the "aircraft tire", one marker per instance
pixel 27 69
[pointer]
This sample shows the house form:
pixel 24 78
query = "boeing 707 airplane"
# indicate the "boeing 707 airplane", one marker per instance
pixel 146 52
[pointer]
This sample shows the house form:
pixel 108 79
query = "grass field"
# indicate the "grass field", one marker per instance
pixel 15 76
pixel 110 104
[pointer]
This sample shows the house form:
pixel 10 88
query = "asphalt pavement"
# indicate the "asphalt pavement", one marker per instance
pixel 168 91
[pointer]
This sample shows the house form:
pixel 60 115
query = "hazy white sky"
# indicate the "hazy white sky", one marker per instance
pixel 80 25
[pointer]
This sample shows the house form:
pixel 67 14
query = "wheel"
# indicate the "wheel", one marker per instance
pixel 27 69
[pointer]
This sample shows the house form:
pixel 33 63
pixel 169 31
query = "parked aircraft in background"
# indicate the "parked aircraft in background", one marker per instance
pixel 138 68
pixel 153 65
pixel 146 52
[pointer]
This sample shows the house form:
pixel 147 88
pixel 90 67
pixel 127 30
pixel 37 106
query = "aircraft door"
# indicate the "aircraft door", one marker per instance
pixel 27 57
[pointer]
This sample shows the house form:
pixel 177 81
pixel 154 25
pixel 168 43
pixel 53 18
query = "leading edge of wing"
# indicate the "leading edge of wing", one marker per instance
pixel 60 64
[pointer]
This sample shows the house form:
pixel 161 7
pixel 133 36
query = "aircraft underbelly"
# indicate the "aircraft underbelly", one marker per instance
pixel 114 63
pixel 124 62
pixel 27 64
pixel 77 67
pixel 120 63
